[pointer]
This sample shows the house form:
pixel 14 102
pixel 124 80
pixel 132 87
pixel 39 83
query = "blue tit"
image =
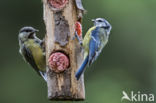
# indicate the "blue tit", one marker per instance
pixel 93 43
pixel 32 49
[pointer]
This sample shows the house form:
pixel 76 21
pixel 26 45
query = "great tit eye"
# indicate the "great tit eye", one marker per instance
pixel 28 31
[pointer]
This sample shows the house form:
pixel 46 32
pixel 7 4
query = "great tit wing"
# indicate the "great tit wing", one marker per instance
pixel 94 46
pixel 41 43
pixel 29 58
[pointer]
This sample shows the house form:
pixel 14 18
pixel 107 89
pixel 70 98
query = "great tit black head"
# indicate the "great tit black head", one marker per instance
pixel 101 22
pixel 26 33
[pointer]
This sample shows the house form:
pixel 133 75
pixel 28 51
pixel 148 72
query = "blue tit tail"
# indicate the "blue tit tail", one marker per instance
pixel 44 75
pixel 82 68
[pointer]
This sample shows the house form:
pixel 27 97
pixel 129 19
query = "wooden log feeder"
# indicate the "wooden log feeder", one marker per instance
pixel 63 53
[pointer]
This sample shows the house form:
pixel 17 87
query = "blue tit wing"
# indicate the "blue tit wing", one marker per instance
pixel 29 58
pixel 94 46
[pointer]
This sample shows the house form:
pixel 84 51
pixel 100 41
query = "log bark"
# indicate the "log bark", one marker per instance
pixel 60 29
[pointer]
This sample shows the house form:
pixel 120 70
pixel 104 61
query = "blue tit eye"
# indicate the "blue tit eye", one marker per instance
pixel 100 20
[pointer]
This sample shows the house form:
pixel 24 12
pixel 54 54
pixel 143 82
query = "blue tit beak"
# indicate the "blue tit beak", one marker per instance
pixel 93 20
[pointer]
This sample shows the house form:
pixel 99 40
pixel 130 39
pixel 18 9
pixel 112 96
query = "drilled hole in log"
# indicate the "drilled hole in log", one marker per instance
pixel 57 4
pixel 78 29
pixel 58 61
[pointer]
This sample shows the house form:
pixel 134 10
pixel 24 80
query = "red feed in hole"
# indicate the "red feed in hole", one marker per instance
pixel 78 29
pixel 58 62
pixel 58 4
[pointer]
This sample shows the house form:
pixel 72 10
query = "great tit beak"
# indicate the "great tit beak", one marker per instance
pixel 36 30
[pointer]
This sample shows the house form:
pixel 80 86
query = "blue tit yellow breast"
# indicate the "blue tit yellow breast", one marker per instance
pixel 37 54
pixel 87 40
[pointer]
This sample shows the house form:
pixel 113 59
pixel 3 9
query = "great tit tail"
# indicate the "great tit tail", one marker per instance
pixel 44 75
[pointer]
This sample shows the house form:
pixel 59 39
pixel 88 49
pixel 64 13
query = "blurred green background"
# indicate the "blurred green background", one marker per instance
pixel 127 63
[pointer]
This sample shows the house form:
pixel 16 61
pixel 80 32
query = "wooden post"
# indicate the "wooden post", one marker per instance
pixel 60 17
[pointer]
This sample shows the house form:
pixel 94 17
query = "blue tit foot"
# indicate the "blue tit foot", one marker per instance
pixel 80 42
pixel 74 38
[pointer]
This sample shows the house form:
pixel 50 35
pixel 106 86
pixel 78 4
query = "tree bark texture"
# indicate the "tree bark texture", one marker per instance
pixel 60 29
